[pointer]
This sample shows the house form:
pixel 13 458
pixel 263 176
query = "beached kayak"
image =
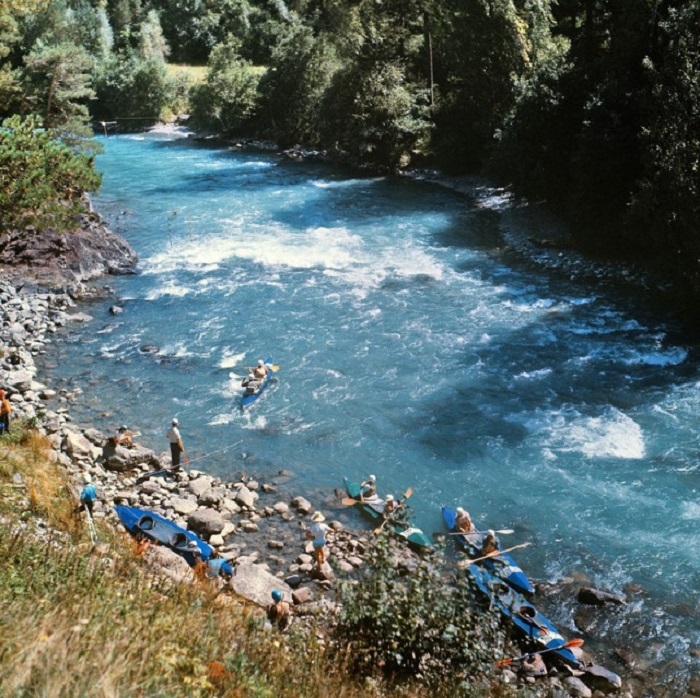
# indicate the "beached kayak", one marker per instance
pixel 534 628
pixel 373 507
pixel 156 528
pixel 502 566
pixel 251 393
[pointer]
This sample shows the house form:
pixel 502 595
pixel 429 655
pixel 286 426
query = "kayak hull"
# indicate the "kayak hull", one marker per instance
pixel 248 400
pixel 373 508
pixel 158 529
pixel 534 627
pixel 502 566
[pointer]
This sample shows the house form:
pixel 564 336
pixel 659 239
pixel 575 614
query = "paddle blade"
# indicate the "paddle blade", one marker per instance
pixel 274 367
pixel 348 501
pixel 408 493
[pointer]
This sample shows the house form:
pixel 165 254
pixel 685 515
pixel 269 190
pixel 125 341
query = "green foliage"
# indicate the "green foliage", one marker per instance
pixel 413 624
pixel 41 179
pixel 293 89
pixel 58 86
pixel 134 90
pixel 227 99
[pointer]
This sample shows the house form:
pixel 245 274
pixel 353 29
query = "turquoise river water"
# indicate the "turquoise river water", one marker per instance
pixel 414 343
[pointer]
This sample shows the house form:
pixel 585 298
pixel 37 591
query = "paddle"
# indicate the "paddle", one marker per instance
pixel 273 367
pixel 576 642
pixel 504 531
pixel 349 501
pixel 495 553
pixel 91 527
pixel 406 495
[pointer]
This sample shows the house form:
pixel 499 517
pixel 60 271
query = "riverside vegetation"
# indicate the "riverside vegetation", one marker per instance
pixel 588 105
pixel 84 621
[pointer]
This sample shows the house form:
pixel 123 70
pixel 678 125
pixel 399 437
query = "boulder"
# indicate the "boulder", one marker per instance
pixel 254 583
pixel 302 505
pixel 207 521
pixel 183 506
pixel 577 688
pixel 599 678
pixel 199 486
pixel 246 498
pixel 302 595
pixel 596 597
pixel 167 562
pixel 77 446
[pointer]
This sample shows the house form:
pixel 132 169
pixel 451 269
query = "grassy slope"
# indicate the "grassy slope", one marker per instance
pixel 77 623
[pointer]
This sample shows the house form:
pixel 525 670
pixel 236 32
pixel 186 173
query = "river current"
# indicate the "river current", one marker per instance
pixel 414 343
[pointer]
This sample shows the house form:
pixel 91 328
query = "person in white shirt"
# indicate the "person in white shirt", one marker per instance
pixel 318 531
pixel 176 447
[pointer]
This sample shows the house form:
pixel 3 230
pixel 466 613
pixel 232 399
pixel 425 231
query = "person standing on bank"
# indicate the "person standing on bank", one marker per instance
pixel 5 410
pixel 318 531
pixel 176 447
pixel 88 494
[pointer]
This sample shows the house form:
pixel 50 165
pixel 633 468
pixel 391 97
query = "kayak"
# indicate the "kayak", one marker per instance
pixel 502 566
pixel 250 397
pixel 373 507
pixel 532 625
pixel 158 529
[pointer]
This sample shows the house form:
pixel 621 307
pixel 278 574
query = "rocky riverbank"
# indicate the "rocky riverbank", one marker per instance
pixel 258 526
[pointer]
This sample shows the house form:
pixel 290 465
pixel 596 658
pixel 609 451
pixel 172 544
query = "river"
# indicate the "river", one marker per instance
pixel 415 342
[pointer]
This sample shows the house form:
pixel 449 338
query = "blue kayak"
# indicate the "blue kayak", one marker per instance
pixel 249 397
pixel 373 507
pixel 535 628
pixel 502 566
pixel 158 529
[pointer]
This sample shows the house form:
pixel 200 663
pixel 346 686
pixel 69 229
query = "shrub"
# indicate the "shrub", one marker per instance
pixel 41 179
pixel 415 625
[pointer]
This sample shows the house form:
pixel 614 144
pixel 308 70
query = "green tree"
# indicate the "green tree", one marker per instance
pixel 293 88
pixel 132 89
pixel 227 99
pixel 59 80
pixel 152 44
pixel 41 179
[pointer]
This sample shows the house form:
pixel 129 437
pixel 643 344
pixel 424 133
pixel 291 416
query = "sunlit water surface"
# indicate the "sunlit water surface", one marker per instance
pixel 413 344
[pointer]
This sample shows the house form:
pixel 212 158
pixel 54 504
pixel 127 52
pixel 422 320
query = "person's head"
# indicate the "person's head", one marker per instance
pixel 389 498
pixel 372 478
pixel 318 517
pixel 261 362
pixel 123 427
pixel 87 478
pixel 175 421
pixel 460 511
pixel 276 595
pixel 491 533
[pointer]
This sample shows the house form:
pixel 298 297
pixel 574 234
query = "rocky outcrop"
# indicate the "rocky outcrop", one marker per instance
pixel 55 259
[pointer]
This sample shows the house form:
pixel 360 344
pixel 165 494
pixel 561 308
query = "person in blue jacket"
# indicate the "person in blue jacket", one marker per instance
pixel 88 495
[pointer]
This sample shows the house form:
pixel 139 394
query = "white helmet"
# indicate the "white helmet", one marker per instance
pixel 390 498
pixel 261 362
pixel 491 533
pixel 460 510
pixel 372 478
pixel 87 478
pixel 175 422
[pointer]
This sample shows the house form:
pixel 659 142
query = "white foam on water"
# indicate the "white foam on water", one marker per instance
pixel 222 419
pixel 345 183
pixel 690 510
pixel 670 357
pixel 171 287
pixel 229 359
pixel 612 435
pixel 538 374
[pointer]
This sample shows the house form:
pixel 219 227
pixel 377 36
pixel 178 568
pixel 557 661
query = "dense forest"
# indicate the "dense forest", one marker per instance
pixel 589 105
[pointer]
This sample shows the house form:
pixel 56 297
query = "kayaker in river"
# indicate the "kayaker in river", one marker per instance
pixel 369 487
pixel 394 510
pixel 260 371
pixel 490 543
pixel 463 522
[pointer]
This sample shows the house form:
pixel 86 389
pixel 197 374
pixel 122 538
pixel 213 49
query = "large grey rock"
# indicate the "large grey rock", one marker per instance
pixel 577 688
pixel 77 446
pixel 246 498
pixel 302 504
pixel 601 679
pixel 183 506
pixel 199 486
pixel 596 597
pixel 254 583
pixel 164 561
pixel 20 380
pixel 207 521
